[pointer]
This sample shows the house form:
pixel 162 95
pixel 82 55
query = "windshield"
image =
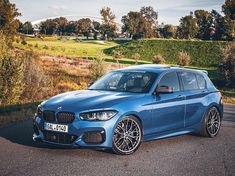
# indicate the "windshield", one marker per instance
pixel 125 81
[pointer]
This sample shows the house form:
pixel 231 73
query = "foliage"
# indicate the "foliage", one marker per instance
pixel 26 28
pixel 158 59
pixel 11 73
pixel 227 66
pixel 35 81
pixel 168 31
pixel 108 26
pixel 184 58
pixel 203 53
pixel 188 27
pixel 8 21
pixel 97 68
pixel 116 55
pixel 140 24
pixel 136 57
pixel 84 26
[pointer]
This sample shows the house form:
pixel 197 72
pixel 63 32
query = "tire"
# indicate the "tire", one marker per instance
pixel 211 123
pixel 127 136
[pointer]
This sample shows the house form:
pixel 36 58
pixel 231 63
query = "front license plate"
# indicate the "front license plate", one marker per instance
pixel 56 127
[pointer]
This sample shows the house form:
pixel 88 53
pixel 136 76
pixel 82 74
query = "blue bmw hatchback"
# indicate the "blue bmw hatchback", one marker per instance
pixel 131 105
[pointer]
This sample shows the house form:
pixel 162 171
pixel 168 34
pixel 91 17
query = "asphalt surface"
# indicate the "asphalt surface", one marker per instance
pixel 182 155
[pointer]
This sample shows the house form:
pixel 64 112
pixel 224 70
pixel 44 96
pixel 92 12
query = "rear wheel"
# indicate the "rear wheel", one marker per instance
pixel 127 136
pixel 212 123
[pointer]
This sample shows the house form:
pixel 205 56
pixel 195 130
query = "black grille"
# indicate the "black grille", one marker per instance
pixel 61 138
pixel 49 116
pixel 65 117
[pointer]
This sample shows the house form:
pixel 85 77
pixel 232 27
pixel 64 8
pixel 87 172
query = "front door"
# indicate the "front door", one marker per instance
pixel 168 110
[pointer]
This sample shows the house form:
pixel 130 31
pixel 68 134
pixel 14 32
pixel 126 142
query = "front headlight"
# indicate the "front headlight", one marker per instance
pixel 98 115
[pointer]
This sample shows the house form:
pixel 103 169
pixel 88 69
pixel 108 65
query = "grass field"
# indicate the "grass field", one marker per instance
pixel 68 67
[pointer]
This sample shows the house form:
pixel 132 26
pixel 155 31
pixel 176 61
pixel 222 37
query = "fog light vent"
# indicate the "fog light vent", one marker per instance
pixel 94 137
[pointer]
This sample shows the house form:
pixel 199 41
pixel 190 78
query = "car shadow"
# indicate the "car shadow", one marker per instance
pixel 21 133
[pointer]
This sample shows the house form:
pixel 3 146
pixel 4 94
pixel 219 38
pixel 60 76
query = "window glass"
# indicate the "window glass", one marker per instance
pixel 125 81
pixel 189 81
pixel 170 80
pixel 201 81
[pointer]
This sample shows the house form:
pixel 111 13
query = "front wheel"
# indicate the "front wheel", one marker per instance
pixel 211 124
pixel 127 136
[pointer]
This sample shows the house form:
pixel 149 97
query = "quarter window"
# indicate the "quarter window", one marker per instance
pixel 189 81
pixel 201 81
pixel 170 80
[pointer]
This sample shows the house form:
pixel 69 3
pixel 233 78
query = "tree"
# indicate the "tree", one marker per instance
pixel 168 31
pixel 227 66
pixel 48 27
pixel 61 24
pixel 8 22
pixel 84 26
pixel 188 27
pixel 26 28
pixel 96 26
pixel 109 26
pixel 11 73
pixel 70 28
pixel 133 24
pixel 204 22
pixel 221 28
pixel 229 10
pixel 150 15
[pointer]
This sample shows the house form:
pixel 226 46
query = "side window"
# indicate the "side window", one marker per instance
pixel 189 81
pixel 201 81
pixel 170 80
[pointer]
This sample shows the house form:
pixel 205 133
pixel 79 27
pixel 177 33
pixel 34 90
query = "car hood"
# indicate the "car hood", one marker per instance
pixel 88 99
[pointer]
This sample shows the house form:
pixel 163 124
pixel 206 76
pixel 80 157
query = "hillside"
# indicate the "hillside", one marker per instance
pixel 203 53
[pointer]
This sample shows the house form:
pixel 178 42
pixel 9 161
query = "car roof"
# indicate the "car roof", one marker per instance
pixel 158 68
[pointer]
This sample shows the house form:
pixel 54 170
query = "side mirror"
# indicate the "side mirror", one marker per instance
pixel 164 90
pixel 89 84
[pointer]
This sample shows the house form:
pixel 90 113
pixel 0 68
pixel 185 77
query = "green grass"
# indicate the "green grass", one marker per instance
pixel 65 47
pixel 202 53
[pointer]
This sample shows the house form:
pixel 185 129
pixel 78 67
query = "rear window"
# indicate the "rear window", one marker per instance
pixel 189 81
pixel 201 81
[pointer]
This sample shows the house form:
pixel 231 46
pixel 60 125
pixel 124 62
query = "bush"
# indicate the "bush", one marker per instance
pixel 116 55
pixel 158 59
pixel 11 73
pixel 136 57
pixel 184 58
pixel 36 45
pixel 97 68
pixel 202 53
pixel 36 83
pixel 227 66
pixel 45 47
pixel 23 42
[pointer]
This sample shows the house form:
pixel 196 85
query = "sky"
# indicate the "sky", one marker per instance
pixel 169 11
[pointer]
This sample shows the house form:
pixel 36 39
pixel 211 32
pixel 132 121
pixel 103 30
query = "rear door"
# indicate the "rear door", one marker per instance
pixel 168 109
pixel 194 86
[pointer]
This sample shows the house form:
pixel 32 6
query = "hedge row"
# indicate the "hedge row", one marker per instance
pixel 203 53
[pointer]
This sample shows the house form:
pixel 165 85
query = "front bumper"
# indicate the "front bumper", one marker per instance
pixel 80 133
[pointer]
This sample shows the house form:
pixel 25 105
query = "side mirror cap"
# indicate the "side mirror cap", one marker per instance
pixel 164 90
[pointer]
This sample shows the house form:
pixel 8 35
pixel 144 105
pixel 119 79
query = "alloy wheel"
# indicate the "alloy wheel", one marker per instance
pixel 213 122
pixel 127 136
